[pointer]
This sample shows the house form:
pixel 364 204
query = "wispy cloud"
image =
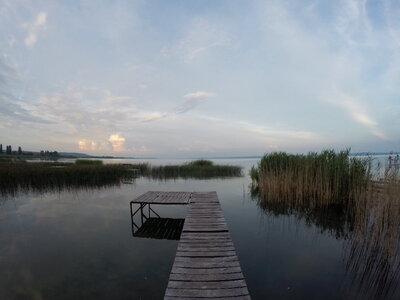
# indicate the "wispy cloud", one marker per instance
pixel 150 116
pixel 35 28
pixel 199 95
pixel 289 75
pixel 201 36
pixel 193 99
pixel 13 112
pixel 358 113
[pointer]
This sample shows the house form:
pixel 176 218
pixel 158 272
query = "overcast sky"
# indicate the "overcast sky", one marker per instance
pixel 200 78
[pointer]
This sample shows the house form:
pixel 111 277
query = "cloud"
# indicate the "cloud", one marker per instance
pixel 110 98
pixel 13 111
pixel 143 149
pixel 117 142
pixel 35 28
pixel 150 116
pixel 358 113
pixel 193 99
pixel 280 135
pixel 86 145
pixel 86 111
pixel 201 36
pixel 199 95
pixel 142 86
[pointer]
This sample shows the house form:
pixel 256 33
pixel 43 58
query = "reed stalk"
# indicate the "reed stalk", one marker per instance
pixel 341 194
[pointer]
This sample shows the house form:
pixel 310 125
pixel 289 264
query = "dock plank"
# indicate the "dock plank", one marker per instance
pixel 206 265
pixel 207 293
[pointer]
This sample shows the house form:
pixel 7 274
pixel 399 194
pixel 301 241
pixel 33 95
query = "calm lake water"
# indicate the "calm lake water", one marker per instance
pixel 79 244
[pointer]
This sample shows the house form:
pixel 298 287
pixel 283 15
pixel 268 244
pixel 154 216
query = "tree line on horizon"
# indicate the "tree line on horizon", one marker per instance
pixel 42 153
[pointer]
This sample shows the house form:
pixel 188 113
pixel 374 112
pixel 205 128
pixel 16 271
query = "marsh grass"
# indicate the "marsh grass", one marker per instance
pixel 198 169
pixel 23 176
pixel 56 176
pixel 312 180
pixel 374 247
pixel 342 195
pixel 92 162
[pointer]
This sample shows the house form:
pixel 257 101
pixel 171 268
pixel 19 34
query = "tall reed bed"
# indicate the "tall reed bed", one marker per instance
pixel 15 176
pixel 198 169
pixel 315 179
pixel 374 246
pixel 341 194
pixel 50 176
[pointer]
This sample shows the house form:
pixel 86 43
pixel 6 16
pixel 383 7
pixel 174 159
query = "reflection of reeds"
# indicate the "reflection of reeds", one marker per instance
pixel 17 176
pixel 316 186
pixel 374 247
pixel 56 176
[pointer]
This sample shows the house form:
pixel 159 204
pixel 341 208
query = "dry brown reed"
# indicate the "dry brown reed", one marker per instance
pixel 374 247
pixel 312 185
pixel 312 180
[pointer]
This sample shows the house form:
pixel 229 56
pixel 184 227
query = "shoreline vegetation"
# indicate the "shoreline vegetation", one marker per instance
pixel 345 196
pixel 19 175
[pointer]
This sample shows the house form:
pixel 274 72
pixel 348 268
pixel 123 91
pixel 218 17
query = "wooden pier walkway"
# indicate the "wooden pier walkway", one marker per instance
pixel 206 265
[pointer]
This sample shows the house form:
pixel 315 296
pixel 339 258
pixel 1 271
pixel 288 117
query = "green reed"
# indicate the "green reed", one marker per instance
pixel 198 169
pixel 315 179
pixel 338 193
pixel 88 162
pixel 48 176
pixel 15 176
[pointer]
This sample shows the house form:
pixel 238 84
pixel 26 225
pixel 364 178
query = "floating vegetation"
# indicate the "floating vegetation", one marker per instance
pixel 341 194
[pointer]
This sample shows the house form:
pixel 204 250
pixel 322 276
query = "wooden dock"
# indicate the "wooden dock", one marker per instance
pixel 206 265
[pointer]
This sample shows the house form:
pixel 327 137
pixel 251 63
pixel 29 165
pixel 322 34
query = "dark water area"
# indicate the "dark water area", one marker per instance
pixel 79 245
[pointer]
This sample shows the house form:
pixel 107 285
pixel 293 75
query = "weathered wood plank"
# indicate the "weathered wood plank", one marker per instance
pixel 206 265
pixel 194 260
pixel 206 235
pixel 206 277
pixel 205 254
pixel 169 198
pixel 215 229
pixel 210 293
pixel 177 270
pixel 246 297
pixel 227 284
pixel 183 248
pixel 196 236
pixel 193 244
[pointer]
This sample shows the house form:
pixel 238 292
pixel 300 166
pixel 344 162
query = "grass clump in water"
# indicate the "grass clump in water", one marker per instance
pixel 195 169
pixel 56 176
pixel 315 179
pixel 201 163
pixel 339 193
pixel 91 162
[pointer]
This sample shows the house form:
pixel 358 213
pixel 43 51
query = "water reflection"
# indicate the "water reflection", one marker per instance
pixel 154 227
pixel 372 259
pixel 78 244
pixel 159 228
